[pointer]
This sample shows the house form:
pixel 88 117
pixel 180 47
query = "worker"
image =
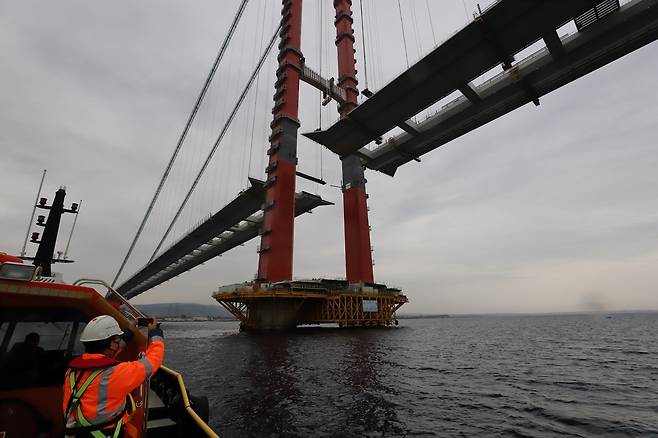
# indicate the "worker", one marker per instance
pixel 97 385
pixel 24 361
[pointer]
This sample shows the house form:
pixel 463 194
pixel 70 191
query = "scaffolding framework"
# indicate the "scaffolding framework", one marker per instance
pixel 311 305
pixel 347 310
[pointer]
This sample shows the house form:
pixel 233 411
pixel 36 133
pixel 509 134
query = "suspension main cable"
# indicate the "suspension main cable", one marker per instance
pixel 465 11
pixel 219 139
pixel 190 119
pixel 320 107
pixel 429 15
pixel 321 27
pixel 261 22
pixel 404 38
pixel 363 43
pixel 414 26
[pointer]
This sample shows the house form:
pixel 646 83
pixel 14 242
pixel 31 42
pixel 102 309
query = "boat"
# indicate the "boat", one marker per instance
pixel 33 366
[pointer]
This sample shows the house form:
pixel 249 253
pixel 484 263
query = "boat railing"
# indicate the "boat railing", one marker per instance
pixel 198 421
pixel 112 295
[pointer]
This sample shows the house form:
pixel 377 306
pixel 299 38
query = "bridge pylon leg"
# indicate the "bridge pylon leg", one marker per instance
pixel 358 253
pixel 276 248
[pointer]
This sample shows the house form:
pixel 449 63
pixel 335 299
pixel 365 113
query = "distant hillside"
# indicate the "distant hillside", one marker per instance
pixel 184 309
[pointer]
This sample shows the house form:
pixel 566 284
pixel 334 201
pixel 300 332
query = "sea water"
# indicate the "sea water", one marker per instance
pixel 476 376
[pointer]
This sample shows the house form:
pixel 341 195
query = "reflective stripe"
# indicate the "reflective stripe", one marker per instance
pixel 117 430
pixel 147 365
pixel 70 416
pixel 157 338
pixel 102 391
pixel 87 382
pixel 76 394
pixel 96 433
pixel 103 417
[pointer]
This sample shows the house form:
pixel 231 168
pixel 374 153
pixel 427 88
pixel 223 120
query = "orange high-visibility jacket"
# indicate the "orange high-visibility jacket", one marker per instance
pixel 106 396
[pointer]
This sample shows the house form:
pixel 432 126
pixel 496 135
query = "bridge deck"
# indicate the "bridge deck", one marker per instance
pixel 632 27
pixel 503 30
pixel 236 223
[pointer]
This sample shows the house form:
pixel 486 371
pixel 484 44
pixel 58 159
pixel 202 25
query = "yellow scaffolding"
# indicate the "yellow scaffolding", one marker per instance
pixel 313 306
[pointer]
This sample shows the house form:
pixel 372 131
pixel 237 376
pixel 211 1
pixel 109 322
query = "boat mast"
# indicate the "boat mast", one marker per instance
pixel 44 255
pixel 46 249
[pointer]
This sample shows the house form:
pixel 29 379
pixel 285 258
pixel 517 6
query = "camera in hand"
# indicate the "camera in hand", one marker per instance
pixel 144 322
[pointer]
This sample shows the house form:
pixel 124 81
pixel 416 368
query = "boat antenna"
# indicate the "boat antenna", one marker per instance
pixel 66 251
pixel 34 209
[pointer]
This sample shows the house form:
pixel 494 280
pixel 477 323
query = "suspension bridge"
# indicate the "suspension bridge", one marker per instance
pixel 509 54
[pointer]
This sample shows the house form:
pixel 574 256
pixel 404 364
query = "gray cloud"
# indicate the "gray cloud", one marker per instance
pixel 546 209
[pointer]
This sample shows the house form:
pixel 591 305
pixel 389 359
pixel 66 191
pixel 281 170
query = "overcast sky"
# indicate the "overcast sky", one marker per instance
pixel 550 208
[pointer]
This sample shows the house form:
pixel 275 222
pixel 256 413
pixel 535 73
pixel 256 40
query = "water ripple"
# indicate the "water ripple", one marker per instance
pixel 571 376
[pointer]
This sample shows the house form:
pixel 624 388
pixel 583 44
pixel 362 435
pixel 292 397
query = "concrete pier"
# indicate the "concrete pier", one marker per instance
pixel 272 314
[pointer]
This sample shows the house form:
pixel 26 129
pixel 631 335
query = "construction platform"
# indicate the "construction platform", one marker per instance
pixel 288 304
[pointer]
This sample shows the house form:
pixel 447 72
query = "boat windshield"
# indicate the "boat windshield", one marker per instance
pixel 37 345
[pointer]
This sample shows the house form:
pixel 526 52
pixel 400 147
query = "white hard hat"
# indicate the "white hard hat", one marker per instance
pixel 100 328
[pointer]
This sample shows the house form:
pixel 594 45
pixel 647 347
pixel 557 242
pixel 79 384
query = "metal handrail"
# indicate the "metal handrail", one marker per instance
pixel 186 403
pixel 135 313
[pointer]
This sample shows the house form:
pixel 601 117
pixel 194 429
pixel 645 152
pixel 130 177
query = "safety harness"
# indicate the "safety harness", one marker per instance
pixel 74 403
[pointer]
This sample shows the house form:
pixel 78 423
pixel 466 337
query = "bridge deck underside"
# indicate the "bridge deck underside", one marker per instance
pixel 501 32
pixel 236 223
pixel 634 26
pixel 345 309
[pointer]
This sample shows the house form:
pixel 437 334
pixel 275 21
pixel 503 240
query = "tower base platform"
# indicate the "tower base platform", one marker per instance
pixel 286 305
